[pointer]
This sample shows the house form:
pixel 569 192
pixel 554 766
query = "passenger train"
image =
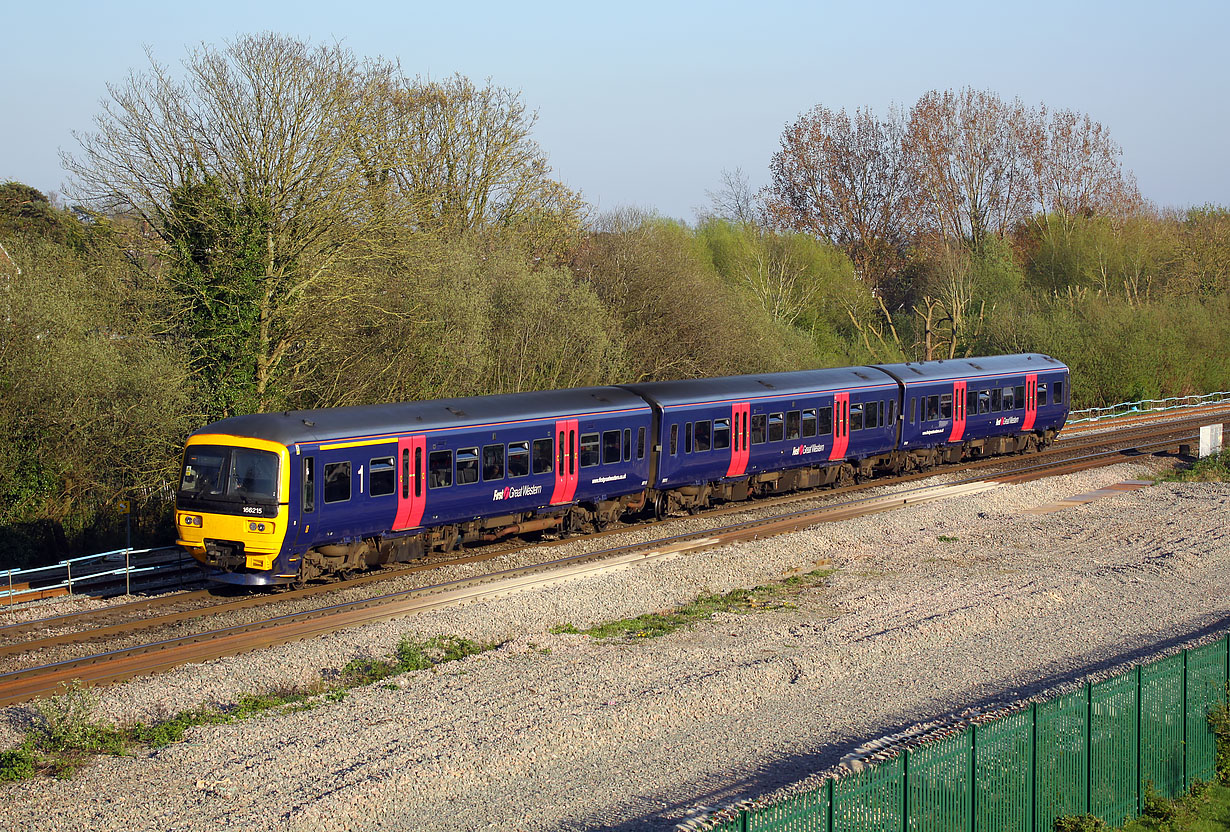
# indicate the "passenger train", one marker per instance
pixel 278 498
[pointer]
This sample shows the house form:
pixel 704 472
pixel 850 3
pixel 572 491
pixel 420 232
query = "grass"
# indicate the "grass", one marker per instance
pixel 68 732
pixel 1210 469
pixel 776 596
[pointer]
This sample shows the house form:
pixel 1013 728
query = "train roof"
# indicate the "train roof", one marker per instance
pixel 368 421
pixel 965 368
pixel 758 386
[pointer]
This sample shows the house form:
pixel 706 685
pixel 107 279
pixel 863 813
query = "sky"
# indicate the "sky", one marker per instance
pixel 644 104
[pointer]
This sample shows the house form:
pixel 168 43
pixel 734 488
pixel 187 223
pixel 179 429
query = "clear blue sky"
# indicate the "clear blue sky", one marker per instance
pixel 644 103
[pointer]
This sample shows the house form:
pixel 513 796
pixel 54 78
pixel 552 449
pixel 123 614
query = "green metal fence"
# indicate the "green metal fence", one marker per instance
pixel 1094 750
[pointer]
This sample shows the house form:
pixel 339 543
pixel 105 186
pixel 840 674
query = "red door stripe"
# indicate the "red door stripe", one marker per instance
pixel 739 452
pixel 841 425
pixel 958 411
pixel 1031 401
pixel 412 490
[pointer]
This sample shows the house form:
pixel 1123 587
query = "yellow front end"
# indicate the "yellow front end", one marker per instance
pixel 261 536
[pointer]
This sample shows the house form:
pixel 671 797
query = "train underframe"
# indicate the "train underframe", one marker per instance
pixel 346 559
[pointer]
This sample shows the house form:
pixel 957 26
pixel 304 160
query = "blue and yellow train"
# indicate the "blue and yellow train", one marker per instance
pixel 285 497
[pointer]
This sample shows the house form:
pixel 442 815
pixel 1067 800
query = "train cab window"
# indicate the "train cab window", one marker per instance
pixel 704 435
pixel 759 427
pixel 1058 399
pixel 932 408
pixel 946 406
pixel 913 410
pixel 776 427
pixel 440 469
pixel 337 482
pixel 1009 399
pixel 997 400
pixel 610 447
pixel 383 476
pixel 721 434
pixel 589 450
pixel 674 439
pixel 309 483
pixel 792 425
pixel 544 459
pixel 856 417
pixel 826 421
pixel 687 438
pixel 1041 394
pixel 467 466
pixel 984 402
pixel 871 415
pixel 809 422
pixel 640 443
pixel 892 413
pixel 627 444
pixel 1019 394
pixel 519 459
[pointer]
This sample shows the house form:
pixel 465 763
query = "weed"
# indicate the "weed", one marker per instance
pixel 1210 469
pixel 1079 823
pixel 17 763
pixel 945 538
pixel 560 629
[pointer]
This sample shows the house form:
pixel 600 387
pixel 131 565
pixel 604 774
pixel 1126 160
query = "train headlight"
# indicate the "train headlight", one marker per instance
pixel 260 528
pixel 190 520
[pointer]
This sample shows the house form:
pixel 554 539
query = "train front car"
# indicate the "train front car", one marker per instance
pixel 232 511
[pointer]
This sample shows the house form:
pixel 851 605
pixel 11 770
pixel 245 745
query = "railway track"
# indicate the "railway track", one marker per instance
pixel 159 655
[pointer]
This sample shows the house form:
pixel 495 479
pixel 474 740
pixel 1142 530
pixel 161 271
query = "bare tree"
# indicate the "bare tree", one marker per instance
pixel 735 200
pixel 846 179
pixel 967 152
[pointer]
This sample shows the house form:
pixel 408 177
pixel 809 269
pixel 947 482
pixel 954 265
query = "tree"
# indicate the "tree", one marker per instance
pixel 846 179
pixel 268 124
pixel 969 153
pixel 735 201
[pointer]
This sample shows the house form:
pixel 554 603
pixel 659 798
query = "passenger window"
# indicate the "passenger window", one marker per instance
pixel 337 482
pixel 1042 394
pixel 946 406
pixel 703 435
pixel 519 459
pixel 913 410
pixel 892 414
pixel 467 466
pixel 640 443
pixel 440 469
pixel 543 458
pixel 792 425
pixel 627 444
pixel 871 415
pixel 758 429
pixel 826 421
pixel 493 462
pixel 1009 399
pixel 1019 396
pixel 589 450
pixel 687 438
pixel 309 483
pixel 1058 393
pixel 721 434
pixel 776 427
pixel 405 473
pixel 384 476
pixel 418 472
pixel 856 417
pixel 997 400
pixel 674 439
pixel 610 447
pixel 984 401
pixel 933 409
pixel 971 401
pixel 809 422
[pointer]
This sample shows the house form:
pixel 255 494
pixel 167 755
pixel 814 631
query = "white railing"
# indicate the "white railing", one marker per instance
pixel 1096 414
pixel 86 576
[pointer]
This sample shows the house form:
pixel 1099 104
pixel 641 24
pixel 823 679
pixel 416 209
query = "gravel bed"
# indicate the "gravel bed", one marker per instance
pixel 962 603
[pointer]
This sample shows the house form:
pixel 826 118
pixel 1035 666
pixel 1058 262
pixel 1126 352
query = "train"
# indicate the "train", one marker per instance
pixel 288 497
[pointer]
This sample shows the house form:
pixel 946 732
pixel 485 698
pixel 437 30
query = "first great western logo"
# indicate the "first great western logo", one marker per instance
pixel 508 492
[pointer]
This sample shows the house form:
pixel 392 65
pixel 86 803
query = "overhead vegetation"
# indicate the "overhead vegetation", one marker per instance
pixel 276 224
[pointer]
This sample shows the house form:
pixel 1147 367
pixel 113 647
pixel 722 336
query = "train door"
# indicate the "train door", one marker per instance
pixel 958 411
pixel 412 492
pixel 1031 401
pixel 566 475
pixel 740 451
pixel 841 425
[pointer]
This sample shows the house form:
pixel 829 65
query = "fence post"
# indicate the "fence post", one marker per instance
pixel 1183 694
pixel 127 572
pixel 832 797
pixel 905 790
pixel 1088 748
pixel 10 587
pixel 1140 704
pixel 973 776
pixel 69 565
pixel 1033 766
